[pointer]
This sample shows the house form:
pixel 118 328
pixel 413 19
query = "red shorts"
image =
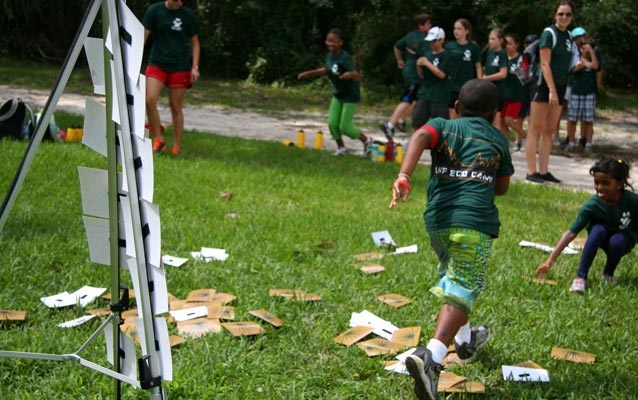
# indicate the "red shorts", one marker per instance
pixel 171 79
pixel 511 108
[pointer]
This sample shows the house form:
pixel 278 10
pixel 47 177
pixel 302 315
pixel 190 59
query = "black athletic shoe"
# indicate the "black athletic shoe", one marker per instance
pixel 389 132
pixel 548 177
pixel 467 351
pixel 425 373
pixel 402 126
pixel 535 178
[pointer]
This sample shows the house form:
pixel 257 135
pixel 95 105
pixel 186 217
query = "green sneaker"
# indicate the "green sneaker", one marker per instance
pixel 425 373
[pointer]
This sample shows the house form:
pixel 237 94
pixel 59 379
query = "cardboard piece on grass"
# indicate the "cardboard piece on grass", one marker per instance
pixel 130 314
pixel 195 328
pixel 368 256
pixel 539 280
pixel 189 313
pixel 379 346
pixel 466 387
pixel 294 294
pixel 372 269
pixel 383 238
pixel 545 248
pixel 131 295
pixel 76 322
pixel 204 295
pixel 226 195
pixel 521 374
pixel 353 335
pixel 245 328
pixel 573 355
pixel 448 379
pixel 453 359
pixel 528 364
pixel 393 299
pixel 271 318
pixel 12 315
pixel 382 328
pixel 221 312
pixel 176 340
pixel 173 261
pixel 407 337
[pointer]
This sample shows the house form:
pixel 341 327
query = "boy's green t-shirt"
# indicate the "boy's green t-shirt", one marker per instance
pixel 344 90
pixel 468 156
pixel 434 89
pixel 171 32
pixel 411 43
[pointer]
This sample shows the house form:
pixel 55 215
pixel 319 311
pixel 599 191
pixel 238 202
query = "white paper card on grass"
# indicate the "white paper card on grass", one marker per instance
pixel 63 299
pixel 382 238
pixel 407 249
pixel 94 50
pixel 213 253
pixel 173 261
pixel 190 313
pixel 545 248
pixel 94 190
pixel 381 327
pixel 521 374
pixel 128 363
pixel 94 134
pixel 98 235
pixel 76 322
pixel 87 294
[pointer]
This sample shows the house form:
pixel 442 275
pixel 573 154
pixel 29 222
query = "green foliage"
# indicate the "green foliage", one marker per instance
pixel 288 201
pixel 271 41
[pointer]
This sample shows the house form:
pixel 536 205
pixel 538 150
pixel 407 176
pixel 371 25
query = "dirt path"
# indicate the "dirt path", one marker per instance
pixel 614 134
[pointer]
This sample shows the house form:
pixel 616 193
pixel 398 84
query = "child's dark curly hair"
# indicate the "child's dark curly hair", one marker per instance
pixel 616 168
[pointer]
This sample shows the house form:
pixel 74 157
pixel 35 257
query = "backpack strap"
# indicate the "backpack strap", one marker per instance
pixel 550 30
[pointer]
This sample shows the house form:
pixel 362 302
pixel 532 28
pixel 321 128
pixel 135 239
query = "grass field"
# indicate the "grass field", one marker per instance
pixel 289 202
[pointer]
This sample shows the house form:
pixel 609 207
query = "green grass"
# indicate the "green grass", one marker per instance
pixel 288 201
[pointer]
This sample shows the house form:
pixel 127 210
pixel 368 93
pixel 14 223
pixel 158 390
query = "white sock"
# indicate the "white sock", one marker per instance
pixel 438 350
pixel 464 335
pixel 389 125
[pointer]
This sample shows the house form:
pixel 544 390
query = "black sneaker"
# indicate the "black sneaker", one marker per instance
pixel 548 177
pixel 389 132
pixel 425 373
pixel 535 178
pixel 402 126
pixel 467 351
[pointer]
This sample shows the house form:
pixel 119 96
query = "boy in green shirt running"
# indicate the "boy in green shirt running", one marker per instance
pixel 471 164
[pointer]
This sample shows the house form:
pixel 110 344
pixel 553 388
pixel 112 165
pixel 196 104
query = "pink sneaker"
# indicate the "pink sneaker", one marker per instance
pixel 578 285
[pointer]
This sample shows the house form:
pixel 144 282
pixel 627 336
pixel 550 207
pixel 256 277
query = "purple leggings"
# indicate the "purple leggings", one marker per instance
pixel 614 243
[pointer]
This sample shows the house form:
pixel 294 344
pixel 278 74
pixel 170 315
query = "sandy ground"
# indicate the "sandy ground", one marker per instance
pixel 618 132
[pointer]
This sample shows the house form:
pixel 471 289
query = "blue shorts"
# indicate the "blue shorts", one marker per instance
pixel 582 107
pixel 409 95
pixel 463 255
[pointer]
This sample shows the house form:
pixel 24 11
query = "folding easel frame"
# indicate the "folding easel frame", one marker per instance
pixel 149 363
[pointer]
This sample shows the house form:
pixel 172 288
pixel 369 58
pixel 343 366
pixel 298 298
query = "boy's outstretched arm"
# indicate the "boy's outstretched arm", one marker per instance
pixel 566 239
pixel 421 139
pixel 502 186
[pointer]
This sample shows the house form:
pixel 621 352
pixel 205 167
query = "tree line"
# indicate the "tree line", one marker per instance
pixel 269 41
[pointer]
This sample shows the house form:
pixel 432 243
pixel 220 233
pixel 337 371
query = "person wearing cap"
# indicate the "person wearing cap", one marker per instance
pixel 555 46
pixel 582 100
pixel 409 44
pixel 433 65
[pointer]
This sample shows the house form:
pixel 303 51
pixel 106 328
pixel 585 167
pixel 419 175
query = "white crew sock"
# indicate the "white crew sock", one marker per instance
pixel 438 350
pixel 464 335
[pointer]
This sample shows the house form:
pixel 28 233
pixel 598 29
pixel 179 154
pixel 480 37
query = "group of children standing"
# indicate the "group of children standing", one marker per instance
pixel 460 108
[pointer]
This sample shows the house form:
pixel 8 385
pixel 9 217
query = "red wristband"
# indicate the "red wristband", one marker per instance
pixel 405 184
